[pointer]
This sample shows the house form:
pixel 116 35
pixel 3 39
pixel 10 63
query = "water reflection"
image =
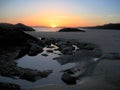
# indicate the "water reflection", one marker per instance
pixel 65 69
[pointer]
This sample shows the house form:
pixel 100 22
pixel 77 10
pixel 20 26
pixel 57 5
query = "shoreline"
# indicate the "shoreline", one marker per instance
pixel 107 40
pixel 106 74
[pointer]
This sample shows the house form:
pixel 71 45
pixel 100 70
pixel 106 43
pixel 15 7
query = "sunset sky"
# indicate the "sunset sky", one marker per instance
pixel 60 12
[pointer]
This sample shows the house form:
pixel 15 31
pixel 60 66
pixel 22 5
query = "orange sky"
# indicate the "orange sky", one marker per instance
pixel 70 13
pixel 55 19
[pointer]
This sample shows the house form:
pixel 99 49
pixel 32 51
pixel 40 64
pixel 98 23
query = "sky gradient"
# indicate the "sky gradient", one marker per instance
pixel 60 12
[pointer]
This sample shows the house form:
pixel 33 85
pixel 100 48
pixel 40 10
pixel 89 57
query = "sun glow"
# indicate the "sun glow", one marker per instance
pixel 54 26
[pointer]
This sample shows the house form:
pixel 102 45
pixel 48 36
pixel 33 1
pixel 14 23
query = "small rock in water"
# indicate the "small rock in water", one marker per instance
pixel 67 50
pixel 50 46
pixel 50 51
pixel 44 54
pixel 35 49
pixel 68 79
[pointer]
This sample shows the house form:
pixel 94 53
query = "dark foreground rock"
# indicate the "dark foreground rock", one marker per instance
pixel 14 36
pixel 9 86
pixel 14 44
pixel 68 79
pixel 70 30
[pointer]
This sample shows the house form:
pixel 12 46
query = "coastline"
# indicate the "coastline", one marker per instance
pixel 106 74
pixel 108 40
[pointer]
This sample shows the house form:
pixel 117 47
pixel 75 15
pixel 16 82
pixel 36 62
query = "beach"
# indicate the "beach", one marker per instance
pixel 108 40
pixel 106 74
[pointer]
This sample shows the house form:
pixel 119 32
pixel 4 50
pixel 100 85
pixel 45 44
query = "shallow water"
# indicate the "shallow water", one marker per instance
pixel 75 63
pixel 40 62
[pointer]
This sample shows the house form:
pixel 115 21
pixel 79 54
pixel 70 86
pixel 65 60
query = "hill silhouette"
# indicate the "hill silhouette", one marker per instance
pixel 18 26
pixel 106 26
pixel 70 30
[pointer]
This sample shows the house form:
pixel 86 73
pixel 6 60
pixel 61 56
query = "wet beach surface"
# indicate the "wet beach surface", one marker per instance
pixel 68 61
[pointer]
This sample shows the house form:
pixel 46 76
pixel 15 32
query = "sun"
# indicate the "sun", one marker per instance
pixel 53 26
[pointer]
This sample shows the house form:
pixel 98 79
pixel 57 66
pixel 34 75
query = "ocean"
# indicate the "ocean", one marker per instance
pixel 46 29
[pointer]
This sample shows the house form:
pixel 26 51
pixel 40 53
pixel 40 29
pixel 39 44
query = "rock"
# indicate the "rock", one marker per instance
pixel 48 42
pixel 35 49
pixel 50 51
pixel 70 30
pixel 44 54
pixel 87 46
pixel 49 46
pixel 23 51
pixel 43 38
pixel 68 79
pixel 9 86
pixel 29 76
pixel 67 50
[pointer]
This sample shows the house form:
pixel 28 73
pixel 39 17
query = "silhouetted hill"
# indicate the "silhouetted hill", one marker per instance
pixel 18 26
pixel 12 35
pixel 70 30
pixel 106 26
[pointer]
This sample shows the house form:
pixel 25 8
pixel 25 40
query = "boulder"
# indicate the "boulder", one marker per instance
pixel 44 54
pixel 49 51
pixel 68 79
pixel 35 49
pixel 67 50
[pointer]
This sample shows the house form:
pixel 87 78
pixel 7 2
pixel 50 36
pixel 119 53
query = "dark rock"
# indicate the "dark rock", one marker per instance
pixel 87 46
pixel 9 86
pixel 49 46
pixel 23 73
pixel 35 49
pixel 70 30
pixel 29 76
pixel 23 51
pixel 50 51
pixel 43 38
pixel 68 79
pixel 67 50
pixel 44 54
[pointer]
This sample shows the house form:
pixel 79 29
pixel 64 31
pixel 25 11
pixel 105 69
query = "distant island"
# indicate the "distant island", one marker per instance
pixel 70 30
pixel 106 26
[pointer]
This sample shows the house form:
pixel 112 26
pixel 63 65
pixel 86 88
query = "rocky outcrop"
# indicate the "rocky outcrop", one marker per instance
pixel 14 44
